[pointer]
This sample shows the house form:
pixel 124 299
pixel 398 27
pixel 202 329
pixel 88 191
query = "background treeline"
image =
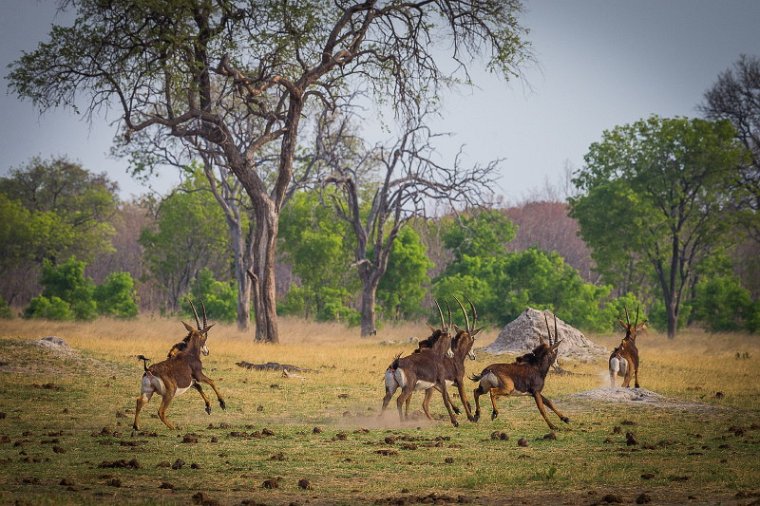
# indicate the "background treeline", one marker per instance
pixel 72 250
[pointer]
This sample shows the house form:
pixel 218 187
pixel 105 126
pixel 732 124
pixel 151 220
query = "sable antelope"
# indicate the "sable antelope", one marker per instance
pixel 421 371
pixel 180 346
pixel 625 358
pixel 525 377
pixel 177 374
pixel 461 345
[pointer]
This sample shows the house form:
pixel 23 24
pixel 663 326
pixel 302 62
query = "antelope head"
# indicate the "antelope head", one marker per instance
pixel 469 332
pixel 631 330
pixel 200 332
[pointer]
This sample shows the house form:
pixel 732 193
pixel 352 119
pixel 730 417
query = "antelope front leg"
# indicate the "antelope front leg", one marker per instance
pixel 205 379
pixel 465 404
pixel 551 406
pixel 197 386
pixel 447 403
pixel 540 403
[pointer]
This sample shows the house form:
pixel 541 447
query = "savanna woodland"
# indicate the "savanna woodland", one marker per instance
pixel 297 257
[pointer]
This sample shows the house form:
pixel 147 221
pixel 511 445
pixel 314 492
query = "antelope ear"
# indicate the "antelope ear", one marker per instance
pixel 556 345
pixel 432 329
pixel 188 327
pixel 208 327
pixel 475 332
pixel 456 328
pixel 622 324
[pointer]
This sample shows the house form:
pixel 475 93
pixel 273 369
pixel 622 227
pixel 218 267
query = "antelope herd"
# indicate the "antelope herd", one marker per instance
pixel 437 364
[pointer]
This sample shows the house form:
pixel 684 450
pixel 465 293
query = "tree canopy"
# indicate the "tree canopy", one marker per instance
pixel 656 195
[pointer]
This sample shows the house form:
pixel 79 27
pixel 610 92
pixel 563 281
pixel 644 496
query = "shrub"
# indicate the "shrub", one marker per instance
pixel 117 296
pixel 49 308
pixel 5 310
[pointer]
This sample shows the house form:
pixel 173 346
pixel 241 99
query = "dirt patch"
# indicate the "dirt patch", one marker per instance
pixel 640 396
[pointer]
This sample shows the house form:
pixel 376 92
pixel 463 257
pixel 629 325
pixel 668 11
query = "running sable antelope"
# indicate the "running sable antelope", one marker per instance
pixel 523 377
pixel 624 359
pixel 421 371
pixel 453 367
pixel 179 372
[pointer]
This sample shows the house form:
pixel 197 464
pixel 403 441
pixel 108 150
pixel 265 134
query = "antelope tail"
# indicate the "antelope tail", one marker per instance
pixel 145 361
pixel 476 377
pixel 394 364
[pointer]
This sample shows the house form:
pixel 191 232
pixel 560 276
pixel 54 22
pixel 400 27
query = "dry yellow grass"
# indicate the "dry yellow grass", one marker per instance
pixel 684 443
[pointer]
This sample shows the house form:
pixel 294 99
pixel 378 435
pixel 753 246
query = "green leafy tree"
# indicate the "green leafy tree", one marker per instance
pixel 502 284
pixel 656 192
pixel 64 284
pixel 316 245
pixel 83 203
pixel 6 313
pixel 49 308
pixel 179 72
pixel 117 296
pixel 219 297
pixel 405 283
pixel 188 237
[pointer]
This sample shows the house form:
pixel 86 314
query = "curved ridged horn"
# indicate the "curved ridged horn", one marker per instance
pixel 548 332
pixel 203 308
pixel 466 319
pixel 556 334
pixel 440 312
pixel 195 313
pixel 448 311
pixel 627 318
pixel 474 313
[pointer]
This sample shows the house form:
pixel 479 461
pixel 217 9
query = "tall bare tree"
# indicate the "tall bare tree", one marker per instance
pixel 735 97
pixel 383 187
pixel 171 67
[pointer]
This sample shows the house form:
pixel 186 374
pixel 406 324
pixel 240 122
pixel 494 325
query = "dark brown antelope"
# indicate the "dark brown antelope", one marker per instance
pixel 624 360
pixel 525 377
pixel 176 375
pixel 421 371
pixel 454 368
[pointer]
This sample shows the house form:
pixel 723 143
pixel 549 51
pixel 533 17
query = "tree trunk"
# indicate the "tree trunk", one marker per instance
pixel 369 291
pixel 264 286
pixel 241 254
pixel 672 311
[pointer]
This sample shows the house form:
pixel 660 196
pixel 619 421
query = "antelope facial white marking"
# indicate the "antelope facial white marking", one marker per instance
pixel 204 350
pixel 471 355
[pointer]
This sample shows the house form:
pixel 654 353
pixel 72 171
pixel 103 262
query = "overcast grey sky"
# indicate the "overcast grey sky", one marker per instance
pixel 599 63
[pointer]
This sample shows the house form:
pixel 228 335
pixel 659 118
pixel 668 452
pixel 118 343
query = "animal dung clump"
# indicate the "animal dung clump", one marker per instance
pixel 522 442
pixel 121 463
pixel 304 484
pixel 498 435
pixel 271 483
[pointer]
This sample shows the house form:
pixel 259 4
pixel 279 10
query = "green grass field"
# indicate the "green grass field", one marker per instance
pixel 66 438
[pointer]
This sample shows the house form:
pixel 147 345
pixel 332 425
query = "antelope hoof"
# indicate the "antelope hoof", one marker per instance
pixel 455 423
pixel 476 417
pixel 222 404
pixel 208 409
pixel 472 418
pixel 494 414
pixel 457 411
pixel 552 426
pixel 135 427
pixel 565 419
